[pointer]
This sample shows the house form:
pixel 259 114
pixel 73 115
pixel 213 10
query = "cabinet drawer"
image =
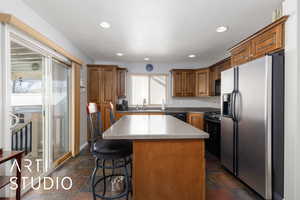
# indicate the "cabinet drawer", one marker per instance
pixel 267 42
pixel 241 54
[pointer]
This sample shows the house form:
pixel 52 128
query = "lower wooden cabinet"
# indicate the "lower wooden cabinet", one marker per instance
pixel 196 120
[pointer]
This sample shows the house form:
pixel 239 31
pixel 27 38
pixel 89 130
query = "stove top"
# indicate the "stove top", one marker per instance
pixel 213 116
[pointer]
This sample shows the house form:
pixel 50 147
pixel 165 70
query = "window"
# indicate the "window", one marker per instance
pixel 149 88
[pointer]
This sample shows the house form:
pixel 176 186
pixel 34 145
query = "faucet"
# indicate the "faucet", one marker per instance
pixel 144 103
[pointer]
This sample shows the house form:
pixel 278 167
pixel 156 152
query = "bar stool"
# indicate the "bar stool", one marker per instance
pixel 108 150
pixel 111 114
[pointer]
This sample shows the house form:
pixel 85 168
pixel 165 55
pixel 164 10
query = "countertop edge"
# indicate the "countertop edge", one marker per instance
pixel 157 137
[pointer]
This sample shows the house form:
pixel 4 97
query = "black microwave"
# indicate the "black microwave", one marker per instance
pixel 218 87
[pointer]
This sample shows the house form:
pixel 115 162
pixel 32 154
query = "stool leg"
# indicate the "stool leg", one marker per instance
pixel 113 169
pixel 103 174
pixel 127 180
pixel 130 164
pixel 94 177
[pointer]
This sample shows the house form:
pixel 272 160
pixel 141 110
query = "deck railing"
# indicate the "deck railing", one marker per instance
pixel 21 138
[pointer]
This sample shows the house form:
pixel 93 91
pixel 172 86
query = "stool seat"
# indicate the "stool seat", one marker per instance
pixel 112 149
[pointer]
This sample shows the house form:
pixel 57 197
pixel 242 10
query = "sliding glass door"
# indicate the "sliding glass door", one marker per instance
pixel 60 110
pixel 38 106
pixel 27 106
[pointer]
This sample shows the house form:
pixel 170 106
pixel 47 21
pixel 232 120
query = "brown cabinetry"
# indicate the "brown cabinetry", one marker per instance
pixel 215 73
pixel 189 83
pixel 196 120
pixel 202 82
pixel 121 82
pixel 183 82
pixel 102 85
pixel 94 85
pixel 241 54
pixel 268 40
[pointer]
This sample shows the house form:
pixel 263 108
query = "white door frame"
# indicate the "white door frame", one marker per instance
pixel 8 34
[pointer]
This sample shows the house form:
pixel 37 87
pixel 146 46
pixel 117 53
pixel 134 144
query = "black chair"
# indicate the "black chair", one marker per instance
pixel 117 151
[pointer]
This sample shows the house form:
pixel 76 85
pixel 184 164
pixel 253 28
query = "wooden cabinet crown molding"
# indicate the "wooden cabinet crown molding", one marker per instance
pixel 267 40
pixel 12 20
pixel 270 26
pixel 103 67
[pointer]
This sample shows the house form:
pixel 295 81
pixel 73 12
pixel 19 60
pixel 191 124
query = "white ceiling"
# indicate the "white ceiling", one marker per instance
pixel 166 31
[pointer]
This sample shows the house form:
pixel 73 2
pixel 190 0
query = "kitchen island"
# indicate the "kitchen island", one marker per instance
pixel 168 156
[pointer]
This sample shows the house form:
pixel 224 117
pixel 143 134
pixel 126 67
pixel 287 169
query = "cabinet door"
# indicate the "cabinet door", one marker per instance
pixel 189 84
pixel 214 75
pixel 119 115
pixel 94 86
pixel 121 83
pixel 226 65
pixel 202 82
pixel 267 42
pixel 108 86
pixel 105 114
pixel 177 82
pixel 196 120
pixel 241 54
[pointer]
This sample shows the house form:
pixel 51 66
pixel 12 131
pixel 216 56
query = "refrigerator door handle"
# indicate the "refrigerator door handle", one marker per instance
pixel 233 94
pixel 237 105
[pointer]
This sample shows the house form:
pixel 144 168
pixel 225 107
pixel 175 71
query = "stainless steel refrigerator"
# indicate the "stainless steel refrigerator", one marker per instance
pixel 252 132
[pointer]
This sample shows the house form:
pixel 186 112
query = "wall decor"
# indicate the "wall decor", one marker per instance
pixel 149 67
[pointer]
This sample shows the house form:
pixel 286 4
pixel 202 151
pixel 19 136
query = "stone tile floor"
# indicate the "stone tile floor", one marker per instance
pixel 220 184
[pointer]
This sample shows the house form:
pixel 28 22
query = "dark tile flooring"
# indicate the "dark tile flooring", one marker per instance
pixel 220 184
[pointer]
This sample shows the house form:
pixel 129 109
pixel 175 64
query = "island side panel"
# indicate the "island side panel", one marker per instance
pixel 169 169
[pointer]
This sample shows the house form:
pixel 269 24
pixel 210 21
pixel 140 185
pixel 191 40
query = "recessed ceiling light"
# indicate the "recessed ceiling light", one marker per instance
pixel 120 54
pixel 146 59
pixel 222 29
pixel 105 25
pixel 192 56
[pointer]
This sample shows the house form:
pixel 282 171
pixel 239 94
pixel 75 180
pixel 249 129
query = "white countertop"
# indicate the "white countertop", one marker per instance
pixel 152 127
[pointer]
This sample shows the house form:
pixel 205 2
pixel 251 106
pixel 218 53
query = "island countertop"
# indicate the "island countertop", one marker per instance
pixel 152 127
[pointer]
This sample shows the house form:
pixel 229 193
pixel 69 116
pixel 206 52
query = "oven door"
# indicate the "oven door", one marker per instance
pixel 213 144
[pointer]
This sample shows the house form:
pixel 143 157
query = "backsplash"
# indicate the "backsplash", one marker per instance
pixel 213 102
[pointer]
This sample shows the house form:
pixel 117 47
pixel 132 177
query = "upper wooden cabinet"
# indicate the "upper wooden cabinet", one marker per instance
pixel 189 83
pixel 215 73
pixel 183 82
pixel 203 82
pixel 121 82
pixel 241 54
pixel 268 40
